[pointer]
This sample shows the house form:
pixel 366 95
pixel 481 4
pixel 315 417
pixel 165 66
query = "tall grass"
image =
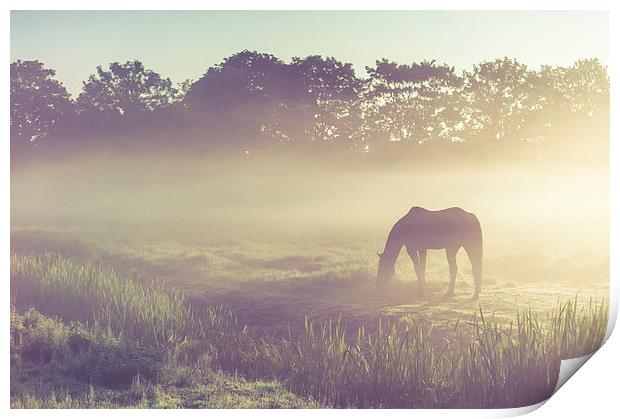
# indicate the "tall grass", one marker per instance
pixel 484 363
pixel 95 294
pixel 572 331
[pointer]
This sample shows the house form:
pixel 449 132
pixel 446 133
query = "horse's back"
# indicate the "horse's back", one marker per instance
pixel 443 215
pixel 441 227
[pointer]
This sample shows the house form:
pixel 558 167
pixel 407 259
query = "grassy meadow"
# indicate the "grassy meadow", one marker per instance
pixel 138 329
pixel 161 283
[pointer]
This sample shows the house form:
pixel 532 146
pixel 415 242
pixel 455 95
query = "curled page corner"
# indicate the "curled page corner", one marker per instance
pixel 568 367
pixel 518 411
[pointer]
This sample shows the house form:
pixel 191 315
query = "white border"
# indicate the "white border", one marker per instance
pixel 592 393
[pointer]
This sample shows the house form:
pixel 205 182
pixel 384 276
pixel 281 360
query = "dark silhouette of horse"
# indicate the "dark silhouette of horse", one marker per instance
pixel 420 230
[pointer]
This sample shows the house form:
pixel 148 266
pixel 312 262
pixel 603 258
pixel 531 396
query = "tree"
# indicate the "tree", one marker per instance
pixel 182 90
pixel 409 103
pixel 565 96
pixel 584 87
pixel 250 95
pixel 500 97
pixel 124 91
pixel 333 112
pixel 39 103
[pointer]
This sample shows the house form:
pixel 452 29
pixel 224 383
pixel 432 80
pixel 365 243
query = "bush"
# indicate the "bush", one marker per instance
pixel 36 338
pixel 45 342
pixel 112 363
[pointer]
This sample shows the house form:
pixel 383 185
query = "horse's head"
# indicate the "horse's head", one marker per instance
pixel 385 273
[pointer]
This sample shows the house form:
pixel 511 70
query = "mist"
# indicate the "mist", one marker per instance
pixel 534 213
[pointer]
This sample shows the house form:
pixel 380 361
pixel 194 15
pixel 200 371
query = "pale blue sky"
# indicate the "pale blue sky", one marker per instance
pixel 183 45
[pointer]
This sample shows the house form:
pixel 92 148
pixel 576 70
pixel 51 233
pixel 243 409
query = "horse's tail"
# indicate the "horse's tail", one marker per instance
pixel 474 250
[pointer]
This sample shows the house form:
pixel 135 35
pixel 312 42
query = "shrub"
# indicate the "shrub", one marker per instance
pixel 47 343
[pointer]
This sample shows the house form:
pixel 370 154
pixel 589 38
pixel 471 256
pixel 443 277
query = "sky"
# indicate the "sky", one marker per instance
pixel 184 44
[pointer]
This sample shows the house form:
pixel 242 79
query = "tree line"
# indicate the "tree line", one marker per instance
pixel 253 99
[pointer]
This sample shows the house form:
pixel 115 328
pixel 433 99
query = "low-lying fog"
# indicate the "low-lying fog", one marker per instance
pixel 528 210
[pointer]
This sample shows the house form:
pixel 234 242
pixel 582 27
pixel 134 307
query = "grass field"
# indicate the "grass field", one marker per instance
pixel 276 283
pixel 258 324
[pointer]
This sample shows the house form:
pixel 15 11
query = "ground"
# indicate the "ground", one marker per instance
pixel 274 284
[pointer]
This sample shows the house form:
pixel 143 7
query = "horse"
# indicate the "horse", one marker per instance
pixel 420 230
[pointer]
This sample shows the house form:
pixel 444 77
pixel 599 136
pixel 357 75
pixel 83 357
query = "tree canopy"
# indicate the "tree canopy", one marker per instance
pixel 408 102
pixel 39 102
pixel 252 98
pixel 124 90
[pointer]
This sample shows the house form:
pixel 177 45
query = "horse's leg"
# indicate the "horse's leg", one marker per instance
pixel 422 265
pixel 451 256
pixel 413 254
pixel 474 251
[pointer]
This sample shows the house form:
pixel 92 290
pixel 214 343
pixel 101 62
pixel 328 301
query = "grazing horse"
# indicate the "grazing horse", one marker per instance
pixel 420 230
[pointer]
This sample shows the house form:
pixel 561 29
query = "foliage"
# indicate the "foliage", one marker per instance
pixel 409 103
pixel 498 92
pixel 44 342
pixel 39 102
pixel 249 93
pixel 333 89
pixel 124 90
pixel 252 99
